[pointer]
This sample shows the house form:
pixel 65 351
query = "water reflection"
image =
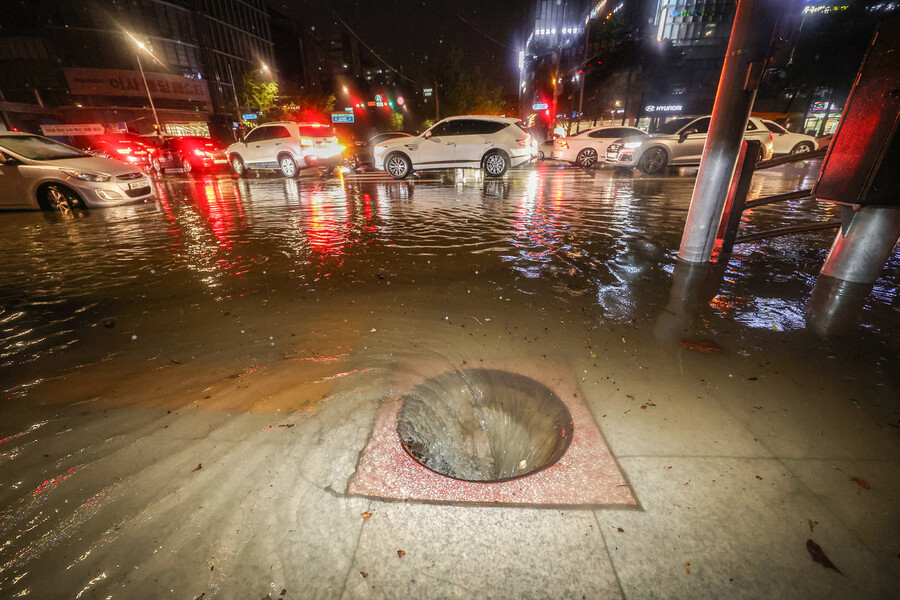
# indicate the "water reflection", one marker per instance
pixel 599 239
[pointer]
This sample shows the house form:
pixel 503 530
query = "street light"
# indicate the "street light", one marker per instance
pixel 146 48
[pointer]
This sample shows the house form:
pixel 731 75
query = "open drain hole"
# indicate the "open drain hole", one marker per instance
pixel 484 425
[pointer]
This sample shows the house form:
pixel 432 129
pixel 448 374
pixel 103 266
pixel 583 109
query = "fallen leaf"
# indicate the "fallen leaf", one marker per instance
pixel 818 556
pixel 758 477
pixel 704 346
pixel 283 592
pixel 812 524
pixel 364 574
pixel 199 466
pixel 862 483
pixel 366 515
pixel 620 530
pixel 687 567
pixel 401 553
pixel 753 379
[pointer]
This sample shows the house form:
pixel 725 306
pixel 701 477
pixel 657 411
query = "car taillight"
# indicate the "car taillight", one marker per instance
pixel 306 142
pixel 562 144
pixel 771 137
pixel 199 152
pixel 523 141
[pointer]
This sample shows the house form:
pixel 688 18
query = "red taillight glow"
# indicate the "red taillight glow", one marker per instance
pixel 523 141
pixel 771 137
pixel 563 145
pixel 199 152
pixel 123 150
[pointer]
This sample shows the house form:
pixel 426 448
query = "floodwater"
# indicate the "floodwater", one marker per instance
pixel 185 380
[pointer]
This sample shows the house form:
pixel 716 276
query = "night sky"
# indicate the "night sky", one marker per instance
pixel 411 33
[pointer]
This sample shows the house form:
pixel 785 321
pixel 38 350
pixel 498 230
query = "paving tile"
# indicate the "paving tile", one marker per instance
pixel 743 525
pixel 479 552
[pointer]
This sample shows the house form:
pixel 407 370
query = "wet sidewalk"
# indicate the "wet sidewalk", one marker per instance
pixel 203 440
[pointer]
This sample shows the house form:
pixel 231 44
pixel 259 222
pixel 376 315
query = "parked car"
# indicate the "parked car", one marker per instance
pixel 124 147
pixel 679 143
pixel 361 155
pixel 287 147
pixel 787 142
pixel 545 149
pixel 584 149
pixel 469 141
pixel 189 153
pixel 40 173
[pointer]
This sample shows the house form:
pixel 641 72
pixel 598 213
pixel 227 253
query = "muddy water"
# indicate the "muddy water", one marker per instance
pixel 184 380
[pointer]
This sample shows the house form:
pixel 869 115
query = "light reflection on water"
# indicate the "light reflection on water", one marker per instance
pixel 556 235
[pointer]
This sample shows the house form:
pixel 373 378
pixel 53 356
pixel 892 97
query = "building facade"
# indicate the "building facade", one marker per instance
pixel 81 61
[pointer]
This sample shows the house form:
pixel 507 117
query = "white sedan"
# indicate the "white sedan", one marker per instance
pixel 585 148
pixel 39 173
pixel 787 142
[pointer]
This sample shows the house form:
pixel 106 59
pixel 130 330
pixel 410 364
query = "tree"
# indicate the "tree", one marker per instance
pixel 464 90
pixel 397 121
pixel 302 105
pixel 259 94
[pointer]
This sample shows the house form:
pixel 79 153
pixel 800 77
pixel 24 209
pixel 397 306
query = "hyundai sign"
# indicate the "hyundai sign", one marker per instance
pixel 342 117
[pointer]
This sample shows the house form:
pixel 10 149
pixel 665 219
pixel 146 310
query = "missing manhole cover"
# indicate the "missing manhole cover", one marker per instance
pixel 484 425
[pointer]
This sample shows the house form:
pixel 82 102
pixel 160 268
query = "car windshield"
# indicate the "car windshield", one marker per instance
pixel 36 147
pixel 672 127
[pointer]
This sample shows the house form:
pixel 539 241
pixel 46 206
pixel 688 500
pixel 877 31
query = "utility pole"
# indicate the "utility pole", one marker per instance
pixel 437 104
pixel 587 37
pixel 142 47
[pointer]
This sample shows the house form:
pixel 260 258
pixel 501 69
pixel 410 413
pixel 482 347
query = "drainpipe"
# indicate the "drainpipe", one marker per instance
pixel 754 28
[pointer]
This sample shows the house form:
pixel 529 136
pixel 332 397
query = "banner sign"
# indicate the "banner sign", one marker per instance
pixel 81 129
pixel 249 116
pixel 120 82
pixel 342 117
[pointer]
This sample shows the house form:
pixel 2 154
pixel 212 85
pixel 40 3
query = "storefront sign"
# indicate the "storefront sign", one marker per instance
pixel 80 129
pixel 120 82
pixel 663 108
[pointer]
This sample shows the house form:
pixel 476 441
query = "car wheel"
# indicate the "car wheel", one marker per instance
pixel 495 163
pixel 802 148
pixel 326 170
pixel 59 199
pixel 540 155
pixel 238 166
pixel 398 165
pixel 353 163
pixel 586 158
pixel 288 166
pixel 186 166
pixel 653 161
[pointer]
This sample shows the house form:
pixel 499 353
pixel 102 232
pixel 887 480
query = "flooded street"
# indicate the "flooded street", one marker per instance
pixel 188 385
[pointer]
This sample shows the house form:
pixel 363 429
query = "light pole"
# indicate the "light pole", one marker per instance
pixel 144 47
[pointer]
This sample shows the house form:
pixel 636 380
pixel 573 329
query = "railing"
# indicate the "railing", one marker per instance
pixel 737 201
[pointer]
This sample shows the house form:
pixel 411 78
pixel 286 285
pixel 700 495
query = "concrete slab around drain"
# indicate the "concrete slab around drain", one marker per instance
pixel 586 475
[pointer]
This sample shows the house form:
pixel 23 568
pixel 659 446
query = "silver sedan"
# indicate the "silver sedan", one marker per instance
pixel 39 173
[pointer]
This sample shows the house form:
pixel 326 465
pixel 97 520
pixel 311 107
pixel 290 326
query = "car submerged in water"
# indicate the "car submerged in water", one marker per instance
pixel 40 173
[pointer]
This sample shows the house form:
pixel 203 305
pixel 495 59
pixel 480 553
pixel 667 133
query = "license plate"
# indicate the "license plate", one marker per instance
pixel 136 184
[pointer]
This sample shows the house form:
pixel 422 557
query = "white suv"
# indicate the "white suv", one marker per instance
pixel 286 146
pixel 678 143
pixel 491 143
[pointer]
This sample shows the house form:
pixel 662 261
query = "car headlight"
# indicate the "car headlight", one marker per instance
pixel 85 175
pixel 633 144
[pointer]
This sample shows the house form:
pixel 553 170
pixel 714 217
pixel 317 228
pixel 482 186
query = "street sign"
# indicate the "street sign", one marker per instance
pixel 427 92
pixel 540 106
pixel 249 116
pixel 342 117
pixel 348 108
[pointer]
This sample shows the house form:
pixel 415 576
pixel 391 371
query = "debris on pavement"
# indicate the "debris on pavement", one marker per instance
pixel 704 346
pixel 818 555
pixel 366 515
pixel 199 466
pixel 401 553
pixel 862 483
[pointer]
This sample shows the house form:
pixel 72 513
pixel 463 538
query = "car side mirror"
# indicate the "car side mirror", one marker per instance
pixel 426 135
pixel 684 135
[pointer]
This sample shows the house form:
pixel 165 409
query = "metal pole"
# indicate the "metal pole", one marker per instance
pixel 149 97
pixel 754 27
pixel 437 104
pixel 859 254
pixel 237 105
pixel 587 37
